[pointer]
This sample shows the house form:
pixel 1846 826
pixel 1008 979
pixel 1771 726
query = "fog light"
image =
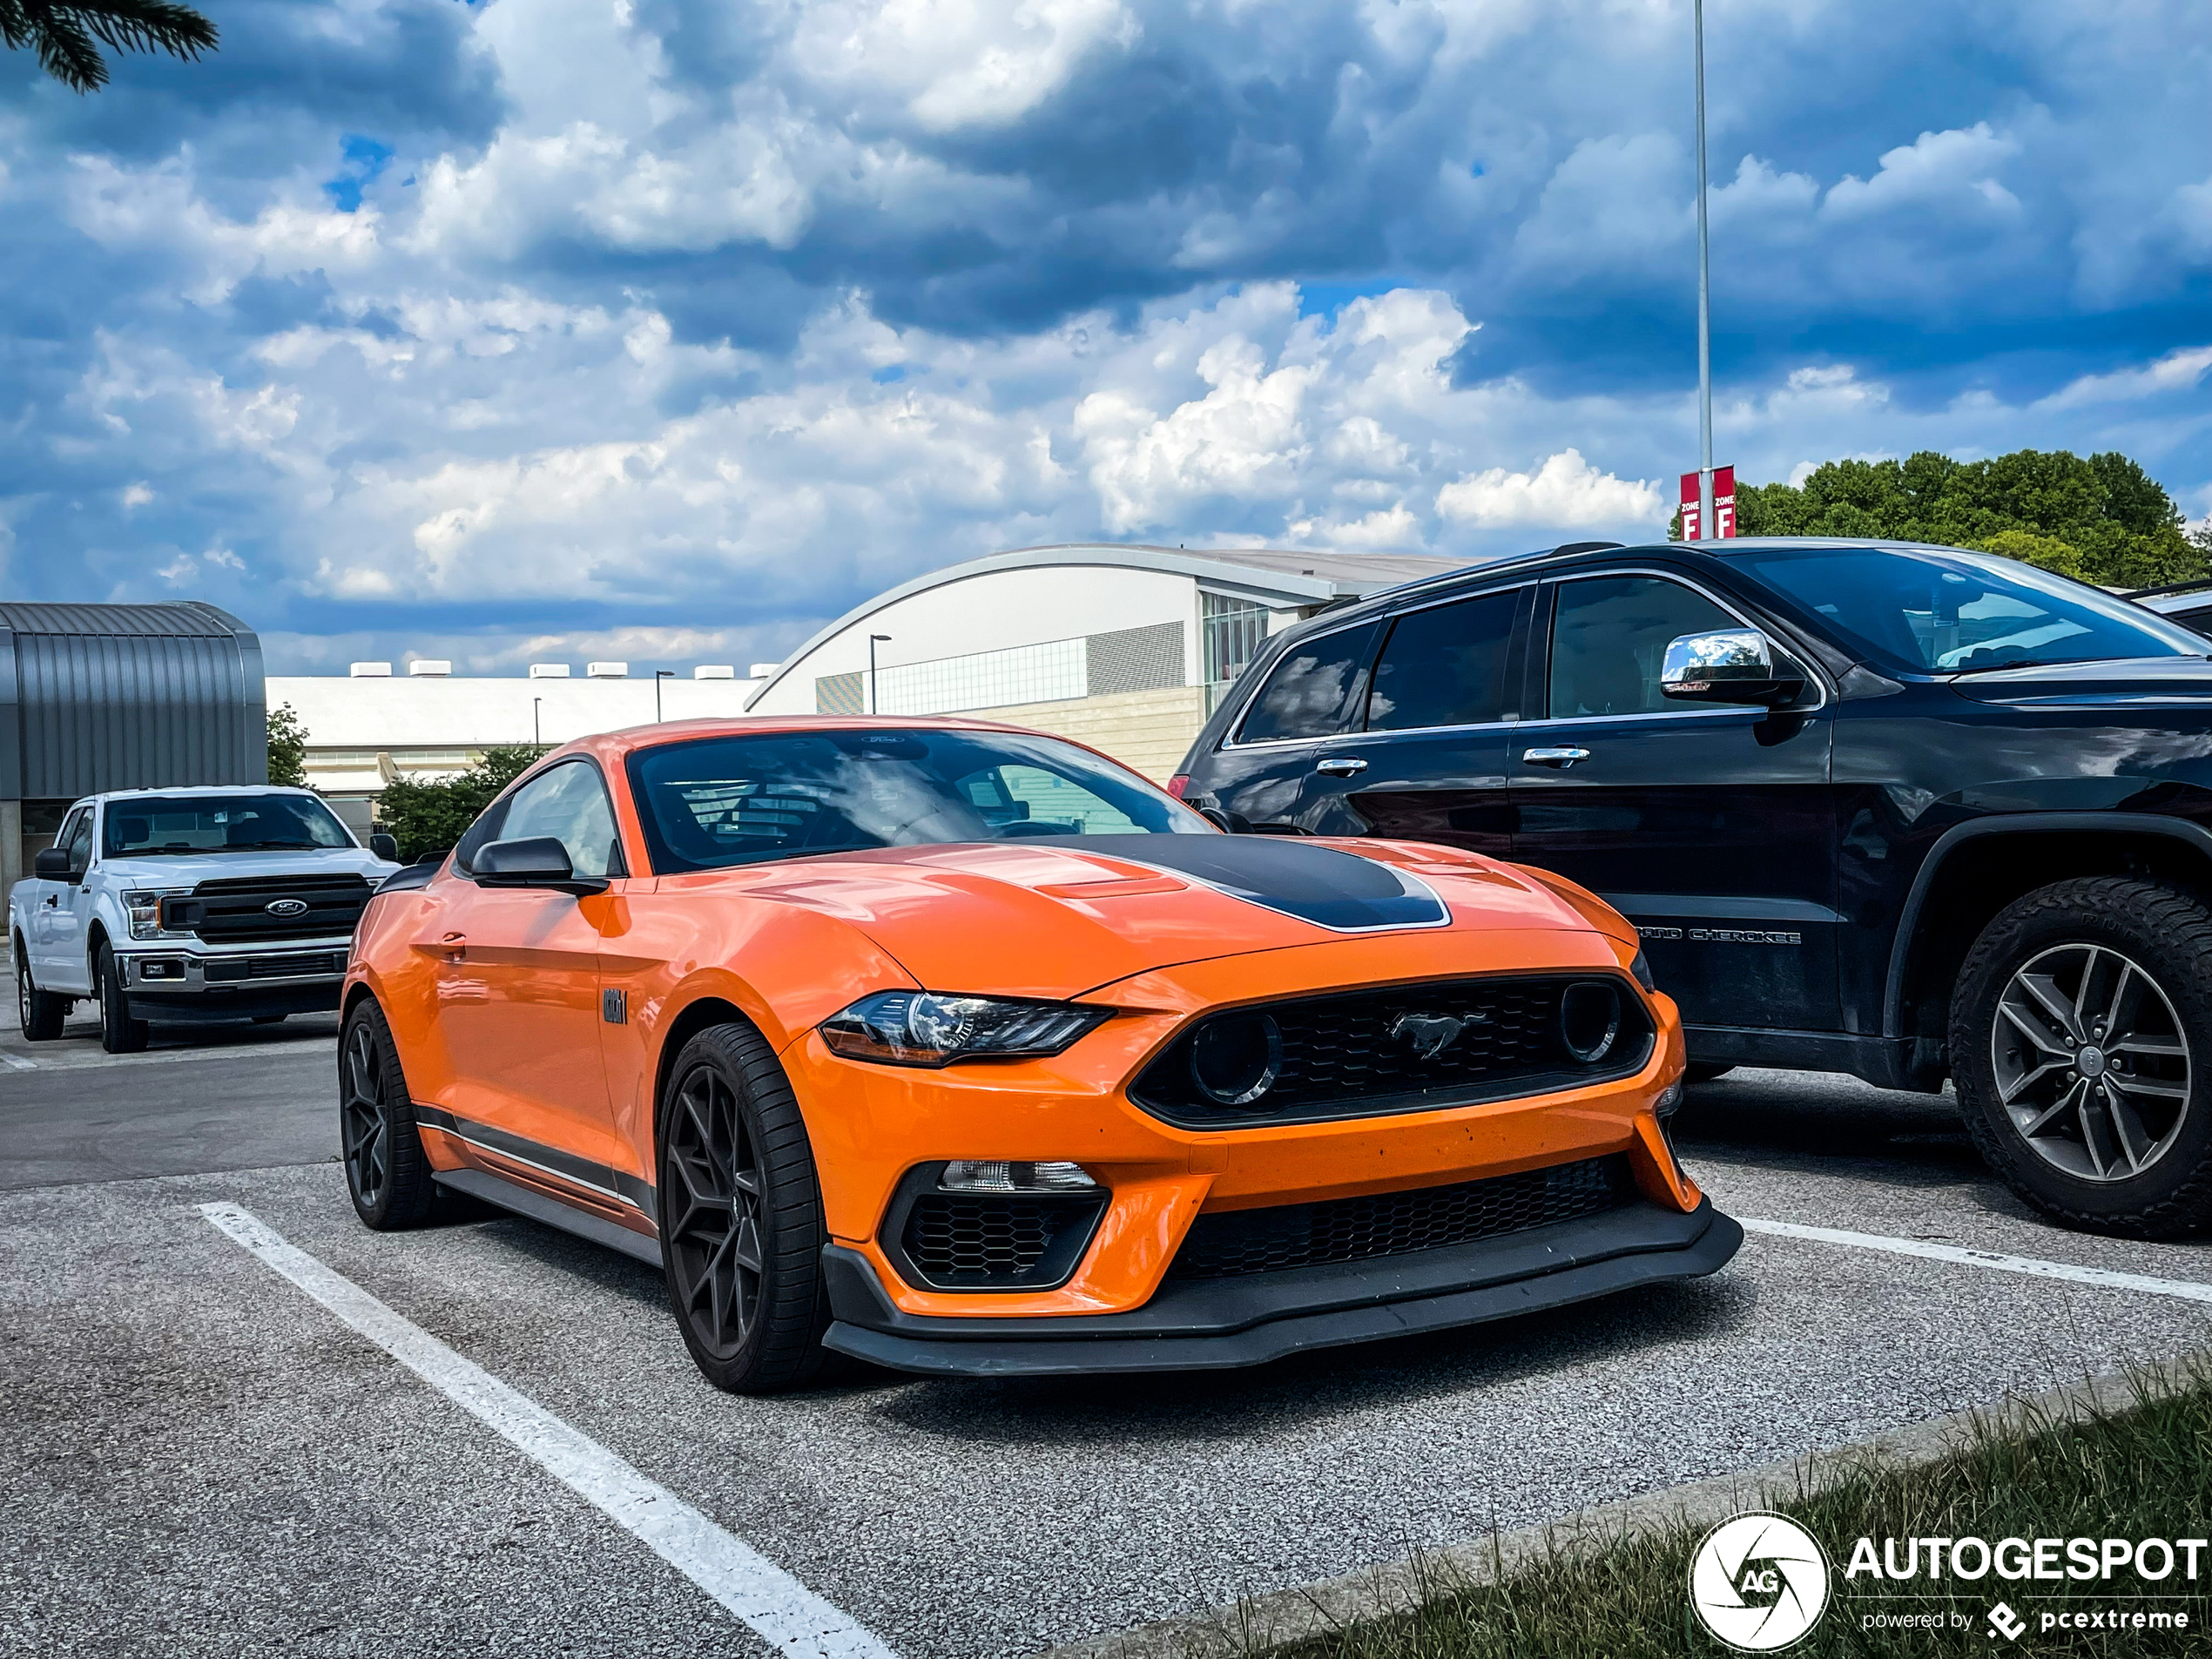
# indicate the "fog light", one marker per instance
pixel 163 968
pixel 1590 1020
pixel 998 1175
pixel 1669 1097
pixel 1235 1059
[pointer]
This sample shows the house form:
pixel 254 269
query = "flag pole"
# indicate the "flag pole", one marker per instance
pixel 1705 525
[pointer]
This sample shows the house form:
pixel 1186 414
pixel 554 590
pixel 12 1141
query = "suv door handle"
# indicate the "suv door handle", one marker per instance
pixel 1341 768
pixel 1561 758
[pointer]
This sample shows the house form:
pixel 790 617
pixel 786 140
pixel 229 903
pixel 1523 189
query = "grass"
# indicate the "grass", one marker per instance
pixel 2141 1470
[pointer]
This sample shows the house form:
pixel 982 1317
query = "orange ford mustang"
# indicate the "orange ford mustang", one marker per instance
pixel 963 1049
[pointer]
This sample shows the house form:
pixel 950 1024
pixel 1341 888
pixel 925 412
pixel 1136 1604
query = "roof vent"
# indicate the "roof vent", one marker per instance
pixel 549 671
pixel 371 671
pixel 761 670
pixel 429 668
pixel 715 671
pixel 608 670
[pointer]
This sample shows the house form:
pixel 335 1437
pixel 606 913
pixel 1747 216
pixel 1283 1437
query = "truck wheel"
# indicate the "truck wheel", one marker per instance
pixel 40 1013
pixel 2080 1019
pixel 741 1216
pixel 386 1172
pixel 119 1033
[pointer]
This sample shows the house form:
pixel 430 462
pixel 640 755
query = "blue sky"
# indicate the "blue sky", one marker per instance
pixel 666 330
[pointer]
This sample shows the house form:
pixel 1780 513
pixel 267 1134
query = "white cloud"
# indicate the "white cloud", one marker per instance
pixel 2178 371
pixel 1953 169
pixel 1565 493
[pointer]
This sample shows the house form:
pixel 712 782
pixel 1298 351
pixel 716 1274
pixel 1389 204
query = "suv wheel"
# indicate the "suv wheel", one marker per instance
pixel 119 1033
pixel 741 1216
pixel 39 1013
pixel 386 1171
pixel 2081 1050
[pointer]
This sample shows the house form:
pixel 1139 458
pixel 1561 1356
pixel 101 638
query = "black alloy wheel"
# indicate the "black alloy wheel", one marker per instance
pixel 740 1216
pixel 2078 1018
pixel 119 1033
pixel 39 1013
pixel 387 1174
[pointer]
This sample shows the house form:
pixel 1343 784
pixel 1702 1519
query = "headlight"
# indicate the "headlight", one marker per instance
pixel 1641 970
pixel 144 912
pixel 923 1028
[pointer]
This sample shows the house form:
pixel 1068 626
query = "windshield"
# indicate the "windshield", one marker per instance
pixel 1952 613
pixel 148 824
pixel 721 801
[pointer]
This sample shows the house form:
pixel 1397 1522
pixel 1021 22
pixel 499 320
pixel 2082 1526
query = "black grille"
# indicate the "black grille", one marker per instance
pixel 1354 1055
pixel 218 969
pixel 1398 1224
pixel 995 1241
pixel 235 910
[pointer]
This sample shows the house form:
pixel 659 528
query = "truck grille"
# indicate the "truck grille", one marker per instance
pixel 234 910
pixel 1234 1242
pixel 1365 1053
pixel 287 966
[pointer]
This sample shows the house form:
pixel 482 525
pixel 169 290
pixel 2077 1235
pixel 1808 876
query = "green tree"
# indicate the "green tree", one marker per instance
pixel 287 747
pixel 428 817
pixel 67 34
pixel 2102 519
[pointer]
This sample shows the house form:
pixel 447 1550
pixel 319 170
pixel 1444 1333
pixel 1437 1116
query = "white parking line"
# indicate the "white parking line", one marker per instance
pixel 2188 1290
pixel 305 1045
pixel 17 1061
pixel 773 1603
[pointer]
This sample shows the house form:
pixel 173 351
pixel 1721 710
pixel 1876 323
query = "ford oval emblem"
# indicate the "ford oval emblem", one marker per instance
pixel 287 907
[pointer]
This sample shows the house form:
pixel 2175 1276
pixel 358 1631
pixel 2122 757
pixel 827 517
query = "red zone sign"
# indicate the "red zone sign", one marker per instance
pixel 1723 505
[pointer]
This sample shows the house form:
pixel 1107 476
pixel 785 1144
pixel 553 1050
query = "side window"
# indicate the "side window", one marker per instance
pixel 1028 801
pixel 569 804
pixel 1609 638
pixel 1314 691
pixel 79 840
pixel 1444 665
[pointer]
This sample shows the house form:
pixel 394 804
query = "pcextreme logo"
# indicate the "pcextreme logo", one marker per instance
pixel 1759 1582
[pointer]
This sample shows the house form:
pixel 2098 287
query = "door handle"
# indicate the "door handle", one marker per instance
pixel 456 946
pixel 1341 768
pixel 53 901
pixel 1560 758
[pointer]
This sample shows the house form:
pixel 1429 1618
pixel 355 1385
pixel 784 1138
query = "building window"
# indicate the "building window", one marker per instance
pixel 1233 630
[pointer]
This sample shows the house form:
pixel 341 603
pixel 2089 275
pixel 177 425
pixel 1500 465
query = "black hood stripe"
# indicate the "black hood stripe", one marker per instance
pixel 1339 891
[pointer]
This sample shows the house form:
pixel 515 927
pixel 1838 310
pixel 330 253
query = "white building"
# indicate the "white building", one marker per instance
pixel 1123 648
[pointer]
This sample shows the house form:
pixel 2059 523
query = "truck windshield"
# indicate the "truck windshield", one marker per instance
pixel 1961 613
pixel 158 826
pixel 719 801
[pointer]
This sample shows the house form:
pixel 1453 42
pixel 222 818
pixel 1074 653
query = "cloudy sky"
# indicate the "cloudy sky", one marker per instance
pixel 667 329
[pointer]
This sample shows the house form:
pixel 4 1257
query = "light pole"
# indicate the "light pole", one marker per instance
pixel 873 638
pixel 660 674
pixel 1705 525
pixel 536 742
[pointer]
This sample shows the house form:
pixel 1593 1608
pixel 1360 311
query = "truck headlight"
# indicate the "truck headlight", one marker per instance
pixel 143 910
pixel 923 1028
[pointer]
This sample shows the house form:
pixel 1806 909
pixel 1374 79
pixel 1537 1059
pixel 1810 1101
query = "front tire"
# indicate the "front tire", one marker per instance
pixel 386 1173
pixel 119 1033
pixel 2081 1050
pixel 39 1013
pixel 741 1216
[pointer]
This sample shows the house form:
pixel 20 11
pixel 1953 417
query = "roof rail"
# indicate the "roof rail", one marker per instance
pixel 1585 547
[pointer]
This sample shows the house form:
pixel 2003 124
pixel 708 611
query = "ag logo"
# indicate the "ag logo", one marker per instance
pixel 287 907
pixel 1759 1582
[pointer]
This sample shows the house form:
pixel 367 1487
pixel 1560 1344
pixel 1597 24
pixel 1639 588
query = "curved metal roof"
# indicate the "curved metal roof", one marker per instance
pixel 95 698
pixel 1287 576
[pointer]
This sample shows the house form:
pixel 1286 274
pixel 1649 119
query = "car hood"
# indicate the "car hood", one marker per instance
pixel 191 868
pixel 1055 920
pixel 2128 682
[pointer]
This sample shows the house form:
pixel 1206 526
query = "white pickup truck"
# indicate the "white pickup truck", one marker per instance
pixel 190 905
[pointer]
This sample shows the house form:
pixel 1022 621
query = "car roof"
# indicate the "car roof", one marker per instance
pixel 203 789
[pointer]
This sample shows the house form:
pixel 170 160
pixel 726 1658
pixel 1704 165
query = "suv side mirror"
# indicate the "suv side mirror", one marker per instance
pixel 535 861
pixel 51 863
pixel 385 846
pixel 1728 665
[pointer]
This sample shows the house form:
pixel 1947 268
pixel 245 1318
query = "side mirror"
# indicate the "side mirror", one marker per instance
pixel 1728 665
pixel 536 862
pixel 51 863
pixel 385 846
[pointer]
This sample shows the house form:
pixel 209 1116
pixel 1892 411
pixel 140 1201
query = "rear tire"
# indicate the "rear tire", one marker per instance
pixel 2081 1050
pixel 41 1013
pixel 741 1216
pixel 387 1174
pixel 119 1033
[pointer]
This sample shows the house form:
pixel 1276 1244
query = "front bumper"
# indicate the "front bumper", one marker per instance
pixel 1219 1324
pixel 187 985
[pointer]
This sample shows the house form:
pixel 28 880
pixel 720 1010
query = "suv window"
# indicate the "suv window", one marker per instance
pixel 569 803
pixel 1609 638
pixel 1444 665
pixel 1315 690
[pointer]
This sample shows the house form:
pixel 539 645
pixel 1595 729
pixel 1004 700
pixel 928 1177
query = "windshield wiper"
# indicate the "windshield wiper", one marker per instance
pixel 270 846
pixel 2021 662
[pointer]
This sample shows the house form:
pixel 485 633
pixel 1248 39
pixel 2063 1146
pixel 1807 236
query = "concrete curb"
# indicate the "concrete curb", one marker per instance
pixel 1254 1624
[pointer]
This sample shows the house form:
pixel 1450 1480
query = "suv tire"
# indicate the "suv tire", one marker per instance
pixel 119 1033
pixel 387 1174
pixel 2081 1050
pixel 734 1159
pixel 40 1012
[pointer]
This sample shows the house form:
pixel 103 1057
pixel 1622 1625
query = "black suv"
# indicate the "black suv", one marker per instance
pixel 1901 810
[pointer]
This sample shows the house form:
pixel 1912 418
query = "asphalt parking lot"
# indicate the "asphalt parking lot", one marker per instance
pixel 200 1460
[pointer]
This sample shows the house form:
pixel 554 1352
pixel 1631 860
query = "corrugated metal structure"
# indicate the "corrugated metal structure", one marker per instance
pixel 120 697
